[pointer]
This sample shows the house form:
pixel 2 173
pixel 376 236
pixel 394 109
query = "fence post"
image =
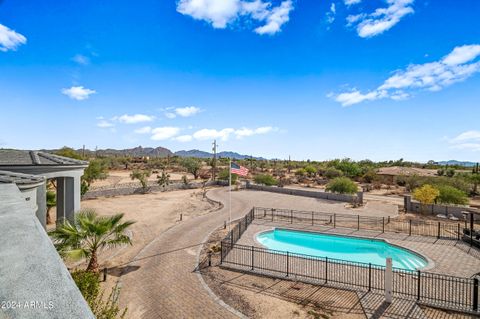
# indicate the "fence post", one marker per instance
pixel 273 211
pixel 253 250
pixel 388 221
pixel 475 294
pixel 224 224
pixel 438 232
pixel 369 276
pixel 388 280
pixel 418 284
pixel 209 259
pixel 383 224
pixel 264 213
pixel 221 252
pixel 458 231
pixel 291 216
pixel 358 222
pixel 312 218
pixel 409 227
pixel 326 269
pixel 334 220
pixel 287 263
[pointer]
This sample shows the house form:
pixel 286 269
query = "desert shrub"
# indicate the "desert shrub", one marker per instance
pixel 348 167
pixel 300 172
pixel 450 172
pixel 142 176
pixel 331 173
pixel 265 179
pixel 342 185
pixel 88 283
pixel 310 170
pixel 451 195
pixel 369 176
pixel 426 194
pixel 192 165
pixel 223 175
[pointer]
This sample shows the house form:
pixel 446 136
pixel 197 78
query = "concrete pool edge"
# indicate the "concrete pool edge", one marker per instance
pixel 430 263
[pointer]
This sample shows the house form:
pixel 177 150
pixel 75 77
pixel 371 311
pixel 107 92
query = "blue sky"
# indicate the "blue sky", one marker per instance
pixel 377 79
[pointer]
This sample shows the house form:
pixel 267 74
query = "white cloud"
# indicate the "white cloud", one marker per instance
pixel 104 124
pixel 224 134
pixel 78 93
pixel 331 14
pixel 382 19
pixel 133 119
pixel 221 13
pixel 143 130
pixel 462 54
pixel 81 59
pixel 164 133
pixel 187 111
pixel 351 2
pixel 469 140
pixel 208 134
pixel 455 67
pixel 184 138
pixel 9 39
pixel 276 18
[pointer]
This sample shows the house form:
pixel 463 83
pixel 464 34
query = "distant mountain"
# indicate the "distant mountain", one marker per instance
pixel 202 154
pixel 458 163
pixel 138 151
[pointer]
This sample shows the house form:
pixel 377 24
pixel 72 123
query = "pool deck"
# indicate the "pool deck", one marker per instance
pixel 446 256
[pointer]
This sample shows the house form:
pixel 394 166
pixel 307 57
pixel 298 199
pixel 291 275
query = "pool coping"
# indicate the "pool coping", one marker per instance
pixel 430 263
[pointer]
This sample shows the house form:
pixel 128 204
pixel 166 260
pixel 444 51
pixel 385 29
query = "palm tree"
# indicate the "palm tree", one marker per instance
pixel 89 234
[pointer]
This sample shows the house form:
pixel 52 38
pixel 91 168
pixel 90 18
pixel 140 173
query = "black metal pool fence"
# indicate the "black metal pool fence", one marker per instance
pixel 428 288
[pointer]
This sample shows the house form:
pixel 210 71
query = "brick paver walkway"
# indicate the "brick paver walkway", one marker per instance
pixel 163 283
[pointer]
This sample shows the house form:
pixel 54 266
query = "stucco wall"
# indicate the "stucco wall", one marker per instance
pixel 34 282
pixel 457 211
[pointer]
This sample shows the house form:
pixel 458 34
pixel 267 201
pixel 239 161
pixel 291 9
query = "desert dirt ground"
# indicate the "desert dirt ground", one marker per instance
pixel 117 177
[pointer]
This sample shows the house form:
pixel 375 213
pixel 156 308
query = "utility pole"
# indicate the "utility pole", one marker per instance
pixel 214 164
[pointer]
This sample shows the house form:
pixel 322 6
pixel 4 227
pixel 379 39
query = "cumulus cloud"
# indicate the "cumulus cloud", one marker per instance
pixel 81 59
pixel 455 67
pixel 164 133
pixel 104 124
pixel 351 2
pixel 78 93
pixel 331 14
pixel 382 19
pixel 133 119
pixel 187 111
pixel 469 140
pixel 183 138
pixel 143 130
pixel 221 13
pixel 9 39
pixel 224 134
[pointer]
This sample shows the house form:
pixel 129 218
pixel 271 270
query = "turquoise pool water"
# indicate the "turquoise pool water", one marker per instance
pixel 340 247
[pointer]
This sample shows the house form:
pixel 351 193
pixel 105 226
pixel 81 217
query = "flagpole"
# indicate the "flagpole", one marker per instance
pixel 230 195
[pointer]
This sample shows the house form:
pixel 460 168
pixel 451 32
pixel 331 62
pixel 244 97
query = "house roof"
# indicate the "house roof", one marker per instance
pixel 10 157
pixel 19 178
pixel 408 171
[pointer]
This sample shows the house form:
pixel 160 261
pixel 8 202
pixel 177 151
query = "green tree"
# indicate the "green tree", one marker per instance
pixel 265 179
pixel 342 185
pixel 451 195
pixel 192 165
pixel 142 176
pixel 426 194
pixel 164 179
pixel 51 202
pixel 96 169
pixel 68 152
pixel 89 234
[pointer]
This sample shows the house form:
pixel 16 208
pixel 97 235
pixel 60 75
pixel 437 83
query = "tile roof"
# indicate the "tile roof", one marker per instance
pixel 19 178
pixel 10 157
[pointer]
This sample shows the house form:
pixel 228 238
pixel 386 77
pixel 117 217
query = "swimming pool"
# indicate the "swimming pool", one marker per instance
pixel 341 247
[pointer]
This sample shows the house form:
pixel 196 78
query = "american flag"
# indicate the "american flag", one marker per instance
pixel 237 169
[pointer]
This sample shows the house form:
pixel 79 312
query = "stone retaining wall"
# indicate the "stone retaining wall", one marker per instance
pixel 300 192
